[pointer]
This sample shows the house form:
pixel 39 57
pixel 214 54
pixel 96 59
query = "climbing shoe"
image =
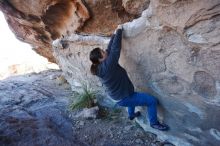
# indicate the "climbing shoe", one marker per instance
pixel 137 114
pixel 160 126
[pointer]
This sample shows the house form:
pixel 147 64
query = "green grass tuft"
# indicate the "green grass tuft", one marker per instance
pixel 84 99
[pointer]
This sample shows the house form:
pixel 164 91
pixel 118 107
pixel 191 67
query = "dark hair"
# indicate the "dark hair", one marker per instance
pixel 95 55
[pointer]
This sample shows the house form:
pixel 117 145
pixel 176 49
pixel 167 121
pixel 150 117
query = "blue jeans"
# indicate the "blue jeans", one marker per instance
pixel 141 99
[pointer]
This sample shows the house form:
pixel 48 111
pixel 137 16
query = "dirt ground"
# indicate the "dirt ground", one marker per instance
pixel 114 129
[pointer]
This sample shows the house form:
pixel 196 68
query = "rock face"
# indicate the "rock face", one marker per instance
pixel 39 22
pixel 172 50
pixel 135 7
pixel 105 16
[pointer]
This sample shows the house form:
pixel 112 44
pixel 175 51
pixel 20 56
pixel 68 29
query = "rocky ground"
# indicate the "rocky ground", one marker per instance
pixel 34 110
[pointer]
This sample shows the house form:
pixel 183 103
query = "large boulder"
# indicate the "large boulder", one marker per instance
pixel 172 51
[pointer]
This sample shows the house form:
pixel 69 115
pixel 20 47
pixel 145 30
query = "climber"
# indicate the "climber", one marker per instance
pixel 120 88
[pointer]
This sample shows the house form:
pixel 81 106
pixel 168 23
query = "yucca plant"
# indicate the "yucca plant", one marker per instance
pixel 83 99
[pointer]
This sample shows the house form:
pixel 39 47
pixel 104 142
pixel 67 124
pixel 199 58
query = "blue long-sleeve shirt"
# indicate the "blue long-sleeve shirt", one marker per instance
pixel 112 75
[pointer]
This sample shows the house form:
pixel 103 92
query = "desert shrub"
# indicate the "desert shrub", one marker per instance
pixel 84 99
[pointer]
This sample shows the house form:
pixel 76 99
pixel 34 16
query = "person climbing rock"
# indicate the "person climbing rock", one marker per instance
pixel 119 87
